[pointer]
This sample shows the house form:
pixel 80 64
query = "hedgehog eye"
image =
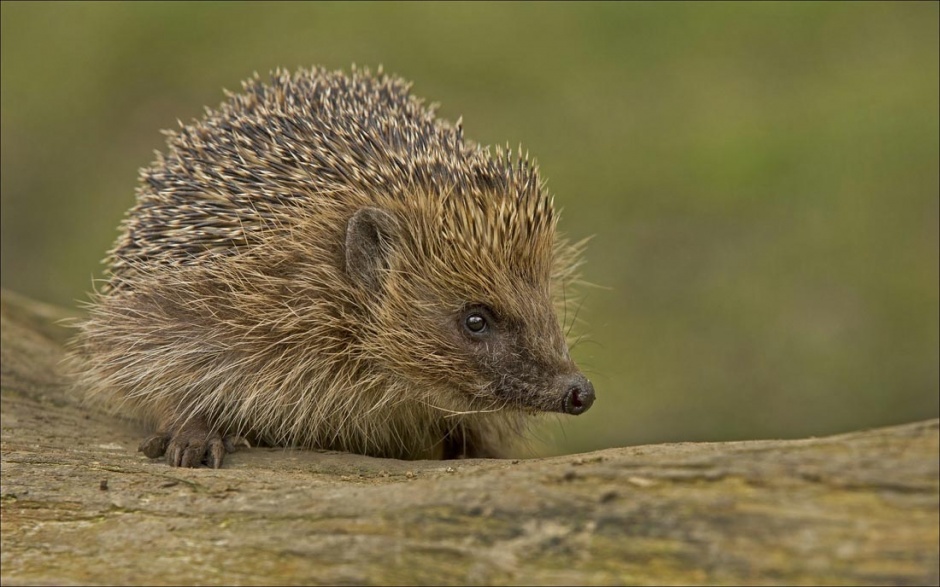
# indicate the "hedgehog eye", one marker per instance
pixel 477 321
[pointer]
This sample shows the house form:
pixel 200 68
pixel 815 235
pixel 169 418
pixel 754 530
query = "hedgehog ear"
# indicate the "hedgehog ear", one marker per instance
pixel 370 235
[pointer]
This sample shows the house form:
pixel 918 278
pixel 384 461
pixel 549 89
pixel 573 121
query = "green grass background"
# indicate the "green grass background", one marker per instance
pixel 761 179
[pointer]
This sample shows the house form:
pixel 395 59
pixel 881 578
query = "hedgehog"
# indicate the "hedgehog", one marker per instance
pixel 321 262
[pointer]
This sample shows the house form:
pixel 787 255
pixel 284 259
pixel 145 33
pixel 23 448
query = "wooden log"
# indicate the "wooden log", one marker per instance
pixel 80 505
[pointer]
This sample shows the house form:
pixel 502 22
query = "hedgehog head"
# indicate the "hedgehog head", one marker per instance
pixel 460 284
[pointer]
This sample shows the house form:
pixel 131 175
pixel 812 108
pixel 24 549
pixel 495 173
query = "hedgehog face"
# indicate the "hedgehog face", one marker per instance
pixel 477 326
pixel 521 360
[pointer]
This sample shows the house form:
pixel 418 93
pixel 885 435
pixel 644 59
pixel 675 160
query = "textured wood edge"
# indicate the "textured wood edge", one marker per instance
pixel 79 505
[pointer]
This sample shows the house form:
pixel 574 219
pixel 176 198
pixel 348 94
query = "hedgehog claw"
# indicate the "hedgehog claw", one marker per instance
pixel 235 443
pixel 214 453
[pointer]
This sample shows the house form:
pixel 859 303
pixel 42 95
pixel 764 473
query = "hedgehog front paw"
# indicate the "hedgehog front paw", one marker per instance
pixel 192 445
pixel 185 450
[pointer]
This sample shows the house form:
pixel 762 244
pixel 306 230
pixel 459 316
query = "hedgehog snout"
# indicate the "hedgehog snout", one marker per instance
pixel 578 394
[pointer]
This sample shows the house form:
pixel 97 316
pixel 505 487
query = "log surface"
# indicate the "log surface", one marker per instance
pixel 79 505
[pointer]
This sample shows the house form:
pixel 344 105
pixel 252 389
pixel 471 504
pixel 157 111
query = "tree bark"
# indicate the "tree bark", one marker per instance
pixel 80 505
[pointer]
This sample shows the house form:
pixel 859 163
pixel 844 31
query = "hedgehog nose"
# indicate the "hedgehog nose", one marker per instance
pixel 579 394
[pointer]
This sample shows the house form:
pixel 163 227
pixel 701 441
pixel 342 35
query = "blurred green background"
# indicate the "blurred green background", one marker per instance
pixel 762 179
